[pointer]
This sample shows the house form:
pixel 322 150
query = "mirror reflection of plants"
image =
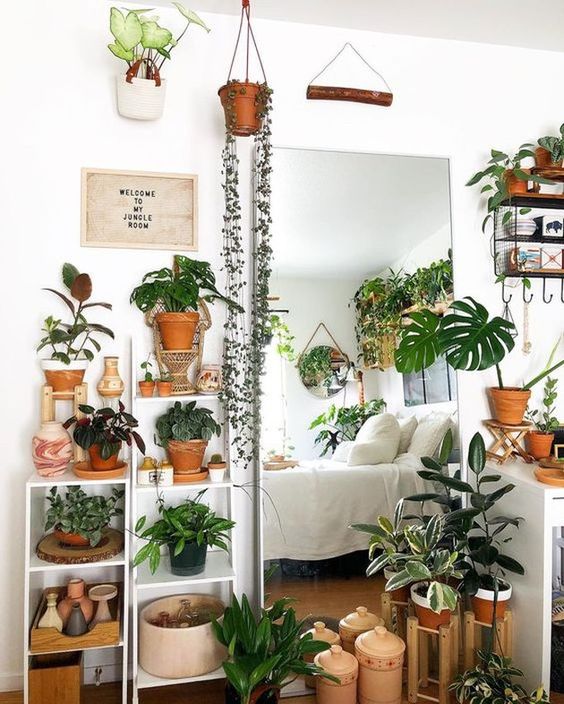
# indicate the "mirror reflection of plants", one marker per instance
pixel 343 423
pixel 315 367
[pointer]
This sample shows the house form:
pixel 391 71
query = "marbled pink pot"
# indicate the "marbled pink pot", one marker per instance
pixel 51 449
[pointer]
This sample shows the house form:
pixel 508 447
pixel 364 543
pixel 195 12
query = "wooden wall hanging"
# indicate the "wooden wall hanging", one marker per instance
pixel 353 95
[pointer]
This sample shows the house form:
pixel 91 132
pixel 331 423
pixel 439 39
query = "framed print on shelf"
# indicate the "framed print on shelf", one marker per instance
pixel 552 226
pixel 139 210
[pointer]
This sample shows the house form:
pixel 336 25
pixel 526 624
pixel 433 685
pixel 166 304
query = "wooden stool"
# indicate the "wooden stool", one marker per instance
pixel 503 639
pixel 508 441
pixel 48 399
pixel 418 639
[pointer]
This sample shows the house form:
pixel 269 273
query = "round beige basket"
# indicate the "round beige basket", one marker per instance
pixel 141 99
pixel 179 652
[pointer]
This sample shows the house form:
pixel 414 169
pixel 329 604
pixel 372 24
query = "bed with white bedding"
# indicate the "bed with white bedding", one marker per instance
pixel 317 501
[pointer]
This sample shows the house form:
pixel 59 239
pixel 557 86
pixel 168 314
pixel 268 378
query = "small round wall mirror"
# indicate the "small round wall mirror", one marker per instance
pixel 323 370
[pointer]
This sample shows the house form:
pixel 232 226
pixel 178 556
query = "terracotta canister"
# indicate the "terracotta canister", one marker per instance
pixel 75 595
pixel 111 384
pixel 343 665
pixel 359 621
pixel 380 657
pixel 320 632
pixel 51 449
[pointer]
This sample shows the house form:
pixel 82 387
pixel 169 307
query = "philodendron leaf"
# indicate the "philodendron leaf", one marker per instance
pixel 153 36
pixel 126 29
pixel 190 16
pixel 120 52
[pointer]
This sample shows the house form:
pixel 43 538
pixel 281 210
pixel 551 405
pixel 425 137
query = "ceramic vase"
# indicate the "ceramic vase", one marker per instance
pixel 380 657
pixel 51 618
pixel 75 595
pixel 209 379
pixel 324 634
pixel 342 665
pixel 51 449
pixel 352 625
pixel 111 384
pixel 76 624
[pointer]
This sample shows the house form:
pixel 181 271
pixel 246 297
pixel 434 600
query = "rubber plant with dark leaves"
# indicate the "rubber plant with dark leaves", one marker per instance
pixel 101 432
pixel 264 653
pixel 343 423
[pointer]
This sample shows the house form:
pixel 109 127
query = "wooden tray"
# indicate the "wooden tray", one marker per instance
pixel 191 478
pixel 49 640
pixel 554 477
pixel 50 549
pixel 275 466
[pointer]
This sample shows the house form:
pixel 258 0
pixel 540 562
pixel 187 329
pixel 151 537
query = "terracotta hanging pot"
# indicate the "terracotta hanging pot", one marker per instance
pixel 187 457
pixel 539 444
pixel 509 404
pixel 98 463
pixel 177 329
pixel 483 601
pixel 514 185
pixel 243 107
pixel 427 617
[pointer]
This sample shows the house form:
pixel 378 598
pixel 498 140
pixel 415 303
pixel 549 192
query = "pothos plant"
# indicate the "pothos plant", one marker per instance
pixel 278 330
pixel 244 353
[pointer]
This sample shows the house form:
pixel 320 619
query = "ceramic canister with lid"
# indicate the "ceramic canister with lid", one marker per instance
pixel 352 625
pixel 320 632
pixel 380 657
pixel 343 665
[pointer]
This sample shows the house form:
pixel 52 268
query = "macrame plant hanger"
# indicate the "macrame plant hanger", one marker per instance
pixel 322 326
pixel 246 15
pixel 353 95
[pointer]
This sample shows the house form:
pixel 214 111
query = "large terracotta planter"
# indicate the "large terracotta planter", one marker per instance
pixel 426 616
pixel 539 444
pixel 514 185
pixel 51 449
pixel 98 463
pixel 483 600
pixel 509 404
pixel 242 107
pixel 187 457
pixel 177 329
pixel 62 377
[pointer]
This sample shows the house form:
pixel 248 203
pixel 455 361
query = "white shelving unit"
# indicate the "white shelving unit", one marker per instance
pixel 40 574
pixel 219 577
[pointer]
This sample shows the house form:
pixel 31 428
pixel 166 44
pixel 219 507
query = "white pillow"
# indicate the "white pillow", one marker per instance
pixel 377 441
pixel 342 451
pixel 407 428
pixel 429 434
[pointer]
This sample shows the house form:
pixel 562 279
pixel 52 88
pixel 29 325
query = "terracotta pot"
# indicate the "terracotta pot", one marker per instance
pixel 177 329
pixel 380 657
pixel 146 388
pixel 352 625
pixel 539 444
pixel 509 404
pixel 401 594
pixel 73 539
pixel 240 101
pixel 343 665
pixel 51 449
pixel 186 457
pixel 62 377
pixel 427 617
pixel 98 463
pixel 164 388
pixel 75 595
pixel 326 635
pixel 482 603
pixel 543 159
pixel 514 185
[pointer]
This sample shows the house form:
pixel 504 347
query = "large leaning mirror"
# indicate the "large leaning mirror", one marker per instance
pixel 360 242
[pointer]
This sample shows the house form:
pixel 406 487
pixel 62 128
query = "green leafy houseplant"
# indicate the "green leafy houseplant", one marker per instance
pixel 264 653
pixel 492 682
pixel 80 515
pixel 278 329
pixel 544 419
pixel 315 367
pixel 555 146
pixel 343 423
pixel 146 369
pixel 187 530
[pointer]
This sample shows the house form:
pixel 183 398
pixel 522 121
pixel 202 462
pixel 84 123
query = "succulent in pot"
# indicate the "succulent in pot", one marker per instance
pixel 147 385
pixel 72 344
pixel 101 432
pixel 216 468
pixel 539 441
pixel 184 431
pixel 164 384
pixel 176 292
pixel 79 519
pixel 187 530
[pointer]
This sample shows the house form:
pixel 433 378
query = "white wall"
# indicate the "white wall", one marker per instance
pixel 59 115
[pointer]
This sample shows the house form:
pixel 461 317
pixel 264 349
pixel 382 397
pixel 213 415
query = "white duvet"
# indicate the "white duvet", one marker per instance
pixel 317 501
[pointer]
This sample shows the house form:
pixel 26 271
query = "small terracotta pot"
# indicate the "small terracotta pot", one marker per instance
pixel 483 600
pixel 240 101
pixel 146 388
pixel 509 404
pixel 401 594
pixel 543 159
pixel 514 185
pixel 539 444
pixel 164 388
pixel 63 378
pixel 98 463
pixel 71 538
pixel 186 457
pixel 177 329
pixel 427 617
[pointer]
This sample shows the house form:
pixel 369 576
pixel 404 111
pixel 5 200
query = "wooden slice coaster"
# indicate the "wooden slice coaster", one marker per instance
pixel 554 477
pixel 84 471
pixel 190 478
pixel 51 549
pixel 551 463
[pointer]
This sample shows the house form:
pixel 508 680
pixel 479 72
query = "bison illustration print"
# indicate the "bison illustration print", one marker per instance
pixel 552 227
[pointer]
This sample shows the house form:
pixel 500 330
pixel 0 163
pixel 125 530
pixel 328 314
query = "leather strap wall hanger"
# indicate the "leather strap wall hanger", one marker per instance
pixel 354 95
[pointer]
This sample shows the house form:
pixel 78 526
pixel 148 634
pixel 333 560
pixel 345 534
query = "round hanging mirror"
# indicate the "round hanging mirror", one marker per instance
pixel 323 370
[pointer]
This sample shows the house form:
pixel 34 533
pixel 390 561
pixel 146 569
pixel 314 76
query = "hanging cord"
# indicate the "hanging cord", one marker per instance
pixel 322 325
pixel 360 56
pixel 246 14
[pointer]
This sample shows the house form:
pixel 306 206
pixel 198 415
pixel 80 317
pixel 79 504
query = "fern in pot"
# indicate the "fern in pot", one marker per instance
pixel 144 45
pixel 184 431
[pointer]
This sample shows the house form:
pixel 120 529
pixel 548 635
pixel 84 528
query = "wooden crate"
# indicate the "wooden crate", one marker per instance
pixel 49 640
pixel 55 678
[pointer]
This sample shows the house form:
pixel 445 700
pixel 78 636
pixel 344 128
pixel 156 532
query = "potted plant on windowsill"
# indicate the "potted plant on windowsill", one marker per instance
pixel 187 530
pixel 147 385
pixel 145 46
pixel 265 653
pixel 177 291
pixel 539 441
pixel 101 432
pixel 184 431
pixel 78 519
pixel 71 344
pixel 550 152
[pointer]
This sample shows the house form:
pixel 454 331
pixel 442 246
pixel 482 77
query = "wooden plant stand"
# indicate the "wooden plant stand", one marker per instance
pixel 418 640
pixel 395 623
pixel 503 640
pixel 508 441
pixel 48 401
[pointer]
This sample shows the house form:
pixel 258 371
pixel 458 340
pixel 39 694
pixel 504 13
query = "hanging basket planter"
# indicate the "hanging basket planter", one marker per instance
pixel 141 98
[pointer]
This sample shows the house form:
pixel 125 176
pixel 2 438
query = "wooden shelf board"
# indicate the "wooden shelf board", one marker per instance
pixel 178 397
pixel 72 650
pixel 146 681
pixel 218 569
pixel 69 478
pixel 37 565
pixel 536 200
pixel 206 484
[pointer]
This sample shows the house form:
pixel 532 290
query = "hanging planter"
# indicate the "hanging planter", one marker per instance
pixel 141 98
